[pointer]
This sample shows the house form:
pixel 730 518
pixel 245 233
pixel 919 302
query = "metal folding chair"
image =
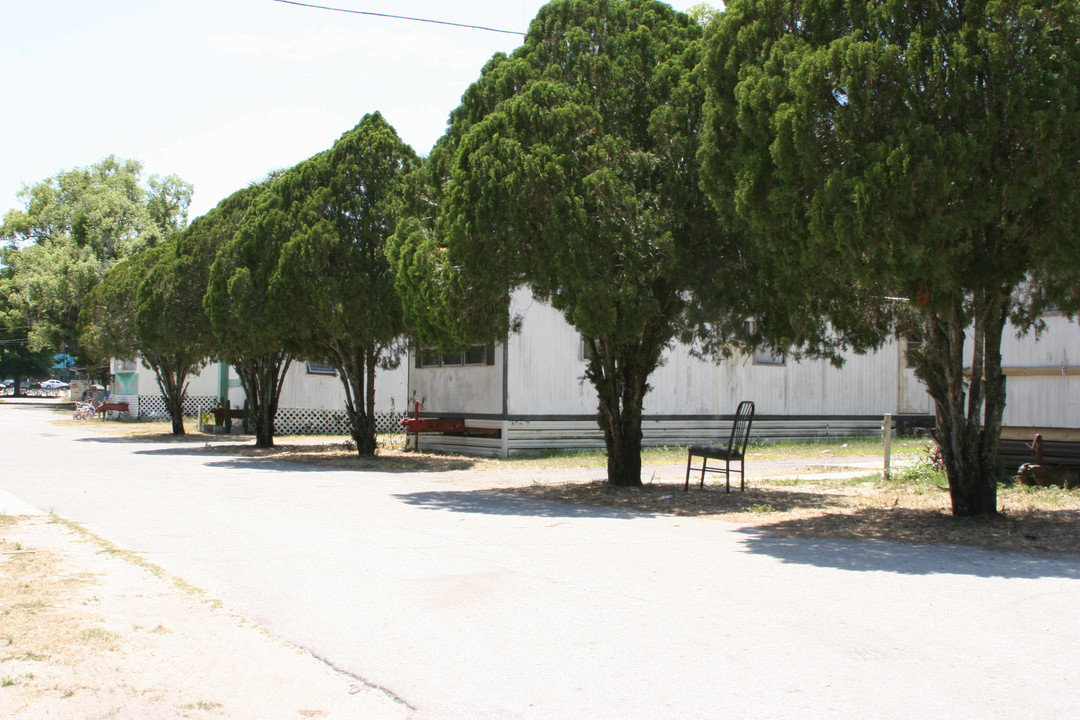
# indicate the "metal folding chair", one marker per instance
pixel 732 453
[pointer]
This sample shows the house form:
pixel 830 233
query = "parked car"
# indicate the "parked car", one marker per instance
pixel 55 385
pixel 7 383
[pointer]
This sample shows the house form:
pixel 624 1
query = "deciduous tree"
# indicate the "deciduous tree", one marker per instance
pixel 907 165
pixel 570 168
pixel 248 332
pixel 72 229
pixel 333 290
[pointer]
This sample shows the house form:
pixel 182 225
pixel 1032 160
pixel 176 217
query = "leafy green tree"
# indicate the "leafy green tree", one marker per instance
pixel 247 330
pixel 570 168
pixel 149 306
pixel 73 228
pixel 703 13
pixel 333 290
pixel 927 150
pixel 172 324
pixel 17 359
pixel 107 316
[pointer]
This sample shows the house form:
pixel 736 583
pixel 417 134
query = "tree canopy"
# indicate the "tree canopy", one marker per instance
pixel 107 317
pixel 333 290
pixel 137 311
pixel 904 167
pixel 18 360
pixel 570 168
pixel 72 229
pixel 249 332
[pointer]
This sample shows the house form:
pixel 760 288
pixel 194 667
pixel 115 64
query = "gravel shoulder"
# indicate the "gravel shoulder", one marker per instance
pixel 89 632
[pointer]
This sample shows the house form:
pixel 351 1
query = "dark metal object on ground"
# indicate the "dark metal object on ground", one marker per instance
pixel 733 452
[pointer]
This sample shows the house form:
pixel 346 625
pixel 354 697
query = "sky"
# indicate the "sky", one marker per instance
pixel 220 92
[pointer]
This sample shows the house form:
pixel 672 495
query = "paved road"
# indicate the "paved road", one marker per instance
pixel 470 604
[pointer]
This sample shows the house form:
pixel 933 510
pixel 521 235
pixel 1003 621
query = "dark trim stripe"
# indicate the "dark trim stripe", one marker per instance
pixel 673 418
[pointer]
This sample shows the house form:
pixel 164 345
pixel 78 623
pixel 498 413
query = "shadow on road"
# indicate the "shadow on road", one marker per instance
pixel 189 440
pixel 493 502
pixel 882 556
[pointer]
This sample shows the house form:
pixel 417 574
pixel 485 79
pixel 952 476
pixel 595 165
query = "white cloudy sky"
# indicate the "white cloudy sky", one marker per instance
pixel 221 91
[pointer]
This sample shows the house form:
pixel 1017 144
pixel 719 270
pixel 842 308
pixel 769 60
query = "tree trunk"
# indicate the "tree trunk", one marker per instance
pixel 623 441
pixel 171 373
pixel 262 377
pixel 969 411
pixel 620 376
pixel 368 428
pixel 356 366
pixel 173 390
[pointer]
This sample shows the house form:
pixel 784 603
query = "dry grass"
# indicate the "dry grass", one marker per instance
pixel 39 615
pixel 1030 520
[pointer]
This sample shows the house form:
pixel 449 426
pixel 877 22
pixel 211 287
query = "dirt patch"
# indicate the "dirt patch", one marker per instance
pixel 87 633
pixel 1040 521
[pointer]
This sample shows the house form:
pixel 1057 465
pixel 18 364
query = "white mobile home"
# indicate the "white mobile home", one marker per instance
pixel 1042 394
pixel 530 393
pixel 1043 390
pixel 312 398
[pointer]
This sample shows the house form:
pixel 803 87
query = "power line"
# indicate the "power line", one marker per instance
pixel 401 17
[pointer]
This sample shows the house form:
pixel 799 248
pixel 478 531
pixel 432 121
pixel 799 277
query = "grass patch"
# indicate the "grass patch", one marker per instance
pixel 37 591
pixel 338 450
pixel 203 705
pixel 98 637
pixel 388 457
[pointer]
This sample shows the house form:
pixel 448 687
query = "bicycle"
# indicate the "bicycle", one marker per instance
pixel 85 411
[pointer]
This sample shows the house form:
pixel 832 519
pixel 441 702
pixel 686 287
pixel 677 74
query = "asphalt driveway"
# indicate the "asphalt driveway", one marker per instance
pixel 467 603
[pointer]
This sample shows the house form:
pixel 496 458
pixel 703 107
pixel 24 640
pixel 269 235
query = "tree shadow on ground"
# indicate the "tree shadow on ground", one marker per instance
pixel 1048 539
pixel 498 502
pixel 880 555
pixel 193 440
pixel 671 499
pixel 315 458
pixel 859 513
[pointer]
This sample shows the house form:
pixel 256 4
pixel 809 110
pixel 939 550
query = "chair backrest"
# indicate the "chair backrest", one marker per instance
pixel 740 429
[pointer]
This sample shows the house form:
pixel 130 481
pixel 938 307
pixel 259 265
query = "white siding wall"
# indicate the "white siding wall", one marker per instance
pixel 547 378
pixel 473 389
pixel 1057 347
pixel 205 383
pixel 1046 402
pixel 546 370
pixel 1050 400
pixel 302 389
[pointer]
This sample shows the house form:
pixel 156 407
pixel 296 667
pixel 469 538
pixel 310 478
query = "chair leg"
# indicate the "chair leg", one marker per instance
pixel 689 457
pixel 727 475
pixel 704 465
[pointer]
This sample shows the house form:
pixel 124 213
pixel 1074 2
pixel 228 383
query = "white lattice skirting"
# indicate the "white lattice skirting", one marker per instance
pixel 288 421
pixel 299 421
pixel 153 406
